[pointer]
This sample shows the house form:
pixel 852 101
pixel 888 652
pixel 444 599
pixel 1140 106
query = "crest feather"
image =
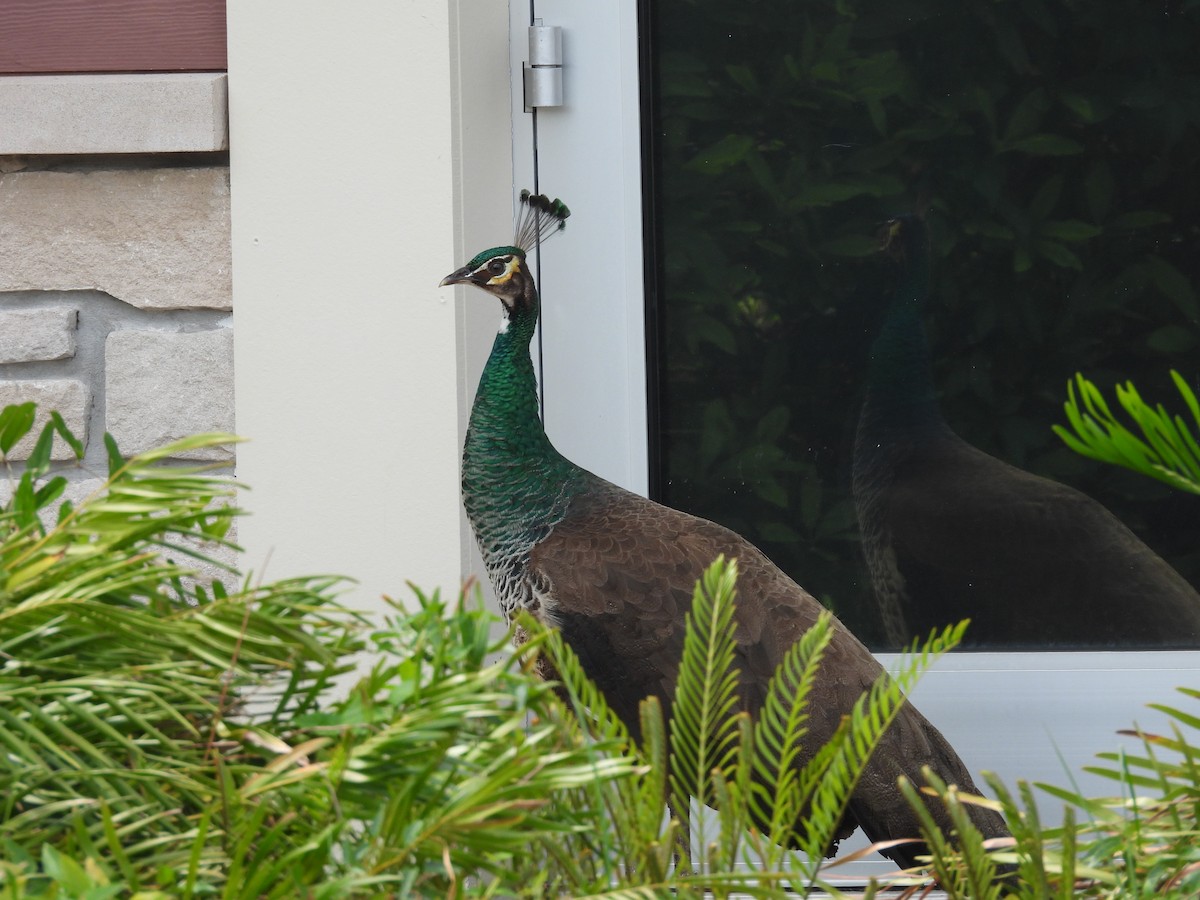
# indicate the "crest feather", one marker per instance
pixel 538 218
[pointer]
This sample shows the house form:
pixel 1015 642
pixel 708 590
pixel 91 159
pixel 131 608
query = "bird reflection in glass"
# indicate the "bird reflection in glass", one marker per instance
pixel 950 532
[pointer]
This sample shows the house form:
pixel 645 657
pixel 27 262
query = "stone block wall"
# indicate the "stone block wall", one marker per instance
pixel 115 303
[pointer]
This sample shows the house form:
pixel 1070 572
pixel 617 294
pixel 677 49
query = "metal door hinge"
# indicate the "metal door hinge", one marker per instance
pixel 544 72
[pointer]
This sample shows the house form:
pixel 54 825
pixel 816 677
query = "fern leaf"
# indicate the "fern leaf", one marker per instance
pixel 850 750
pixel 1166 449
pixel 585 699
pixel 975 874
pixel 779 732
pixel 941 851
pixel 730 794
pixel 654 751
pixel 703 730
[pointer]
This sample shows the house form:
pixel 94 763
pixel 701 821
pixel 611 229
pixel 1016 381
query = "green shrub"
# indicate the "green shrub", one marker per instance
pixel 1143 841
pixel 161 735
pixel 164 737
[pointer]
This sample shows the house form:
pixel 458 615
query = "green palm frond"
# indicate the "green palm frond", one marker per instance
pixel 653 789
pixel 160 736
pixel 1167 449
pixel 1040 867
pixel 733 793
pixel 629 837
pixel 704 736
pixel 1142 842
pixel 779 735
pixel 584 698
pixel 829 780
pixel 704 731
pixel 746 771
pixel 964 869
pixel 123 689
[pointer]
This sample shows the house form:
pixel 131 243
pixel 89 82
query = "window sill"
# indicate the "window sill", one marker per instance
pixel 91 114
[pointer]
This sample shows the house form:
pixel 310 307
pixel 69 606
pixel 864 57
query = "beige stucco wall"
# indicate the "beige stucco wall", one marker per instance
pixel 370 145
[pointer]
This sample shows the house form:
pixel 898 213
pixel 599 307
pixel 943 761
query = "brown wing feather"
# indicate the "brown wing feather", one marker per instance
pixel 618 574
pixel 628 567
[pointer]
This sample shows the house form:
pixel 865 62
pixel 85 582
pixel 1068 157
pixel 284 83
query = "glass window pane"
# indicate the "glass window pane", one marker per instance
pixel 1051 150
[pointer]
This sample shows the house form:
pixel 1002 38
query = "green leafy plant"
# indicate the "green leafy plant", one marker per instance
pixel 1144 841
pixel 161 735
pixel 728 808
pixel 125 681
pixel 1167 449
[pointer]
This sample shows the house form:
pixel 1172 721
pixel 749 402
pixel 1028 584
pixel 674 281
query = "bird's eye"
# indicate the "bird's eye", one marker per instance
pixel 496 267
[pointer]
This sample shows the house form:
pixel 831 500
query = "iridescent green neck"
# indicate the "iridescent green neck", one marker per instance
pixel 900 373
pixel 504 420
pixel 513 479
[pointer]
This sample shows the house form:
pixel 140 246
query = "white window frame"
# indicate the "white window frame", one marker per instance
pixel 1031 716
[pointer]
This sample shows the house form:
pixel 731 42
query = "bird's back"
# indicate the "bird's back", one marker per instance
pixel 618 572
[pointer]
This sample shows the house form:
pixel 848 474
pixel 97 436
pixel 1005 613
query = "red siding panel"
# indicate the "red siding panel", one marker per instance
pixel 39 36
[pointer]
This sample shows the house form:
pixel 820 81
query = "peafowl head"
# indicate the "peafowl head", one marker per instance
pixel 501 271
pixel 504 271
pixel 905 239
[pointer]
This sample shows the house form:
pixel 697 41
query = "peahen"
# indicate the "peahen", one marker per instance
pixel 950 532
pixel 615 572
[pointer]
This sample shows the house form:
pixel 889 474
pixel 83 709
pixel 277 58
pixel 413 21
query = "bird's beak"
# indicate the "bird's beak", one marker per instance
pixel 459 276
